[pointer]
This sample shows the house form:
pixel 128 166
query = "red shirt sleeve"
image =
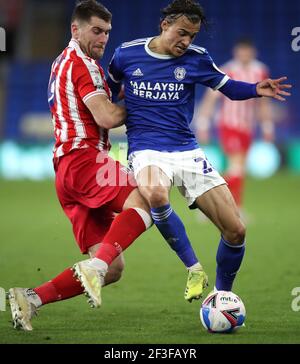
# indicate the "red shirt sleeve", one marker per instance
pixel 88 80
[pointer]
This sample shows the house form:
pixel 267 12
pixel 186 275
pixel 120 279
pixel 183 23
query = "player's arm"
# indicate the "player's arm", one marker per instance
pixel 238 90
pixel 214 78
pixel 106 114
pixel 90 84
pixel 204 114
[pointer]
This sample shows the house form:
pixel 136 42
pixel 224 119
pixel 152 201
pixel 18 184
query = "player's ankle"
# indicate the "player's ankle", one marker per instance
pixel 196 267
pixel 98 264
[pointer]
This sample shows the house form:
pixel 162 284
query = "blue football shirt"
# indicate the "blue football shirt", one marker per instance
pixel 160 93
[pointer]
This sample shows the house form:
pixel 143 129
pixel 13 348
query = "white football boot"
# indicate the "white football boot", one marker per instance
pixel 91 279
pixel 24 303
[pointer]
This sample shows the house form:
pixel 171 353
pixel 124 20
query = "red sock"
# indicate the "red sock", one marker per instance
pixel 235 184
pixel 126 227
pixel 60 288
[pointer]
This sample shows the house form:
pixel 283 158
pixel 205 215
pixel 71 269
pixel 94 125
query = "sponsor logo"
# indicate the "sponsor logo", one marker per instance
pixel 228 299
pixel 157 90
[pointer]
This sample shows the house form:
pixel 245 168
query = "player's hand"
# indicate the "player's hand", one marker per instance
pixel 273 88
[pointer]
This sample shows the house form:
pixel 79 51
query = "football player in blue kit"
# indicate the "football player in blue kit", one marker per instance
pixel 159 76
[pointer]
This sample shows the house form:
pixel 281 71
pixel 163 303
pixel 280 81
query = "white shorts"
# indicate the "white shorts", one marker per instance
pixel 190 171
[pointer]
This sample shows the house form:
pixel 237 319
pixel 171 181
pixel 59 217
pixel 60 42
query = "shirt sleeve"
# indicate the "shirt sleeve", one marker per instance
pixel 115 75
pixel 115 71
pixel 88 80
pixel 238 90
pixel 209 74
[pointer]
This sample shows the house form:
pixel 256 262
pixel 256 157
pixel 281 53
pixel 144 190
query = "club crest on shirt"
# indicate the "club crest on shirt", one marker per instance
pixel 180 73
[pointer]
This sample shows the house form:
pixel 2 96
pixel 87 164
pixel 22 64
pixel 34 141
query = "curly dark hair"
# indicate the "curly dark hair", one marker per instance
pixel 189 8
pixel 85 9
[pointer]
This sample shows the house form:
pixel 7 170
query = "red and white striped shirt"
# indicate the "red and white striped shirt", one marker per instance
pixel 74 79
pixel 241 115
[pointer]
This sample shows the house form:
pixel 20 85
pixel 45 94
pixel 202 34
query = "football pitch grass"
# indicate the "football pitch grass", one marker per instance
pixel 147 305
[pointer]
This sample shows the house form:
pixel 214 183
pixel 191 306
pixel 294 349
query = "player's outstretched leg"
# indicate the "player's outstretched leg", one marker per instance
pixel 218 204
pixel 24 303
pixel 173 230
pixel 126 227
pixel 154 185
pixel 229 260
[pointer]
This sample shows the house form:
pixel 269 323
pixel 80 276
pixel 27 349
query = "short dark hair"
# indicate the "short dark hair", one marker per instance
pixel 85 9
pixel 189 8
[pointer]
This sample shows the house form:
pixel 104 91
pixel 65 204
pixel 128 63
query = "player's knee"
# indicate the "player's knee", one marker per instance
pixel 237 235
pixel 142 204
pixel 240 234
pixel 158 197
pixel 136 199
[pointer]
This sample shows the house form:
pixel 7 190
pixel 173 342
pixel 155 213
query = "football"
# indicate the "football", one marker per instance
pixel 222 311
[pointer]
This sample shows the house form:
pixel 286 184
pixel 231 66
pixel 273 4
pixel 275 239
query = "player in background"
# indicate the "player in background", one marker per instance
pixel 236 121
pixel 91 187
pixel 159 76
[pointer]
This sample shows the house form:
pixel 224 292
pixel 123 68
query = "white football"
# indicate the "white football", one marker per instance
pixel 222 311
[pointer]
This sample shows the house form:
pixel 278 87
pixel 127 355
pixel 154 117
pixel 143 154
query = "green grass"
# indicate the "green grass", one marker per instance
pixel 147 305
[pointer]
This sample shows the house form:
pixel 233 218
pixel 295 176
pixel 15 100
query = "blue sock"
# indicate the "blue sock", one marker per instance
pixel 172 229
pixel 229 259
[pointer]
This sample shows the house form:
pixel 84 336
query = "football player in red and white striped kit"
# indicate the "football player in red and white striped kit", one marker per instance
pixel 236 121
pixel 92 188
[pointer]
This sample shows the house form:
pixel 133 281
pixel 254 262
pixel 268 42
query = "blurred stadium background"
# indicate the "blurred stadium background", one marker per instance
pixel 34 229
pixel 36 32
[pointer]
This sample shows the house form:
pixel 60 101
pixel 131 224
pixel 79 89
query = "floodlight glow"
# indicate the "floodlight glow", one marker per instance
pixel 263 160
